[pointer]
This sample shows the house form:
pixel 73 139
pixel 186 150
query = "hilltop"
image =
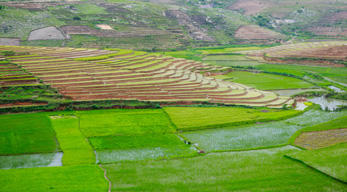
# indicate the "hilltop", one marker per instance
pixel 168 25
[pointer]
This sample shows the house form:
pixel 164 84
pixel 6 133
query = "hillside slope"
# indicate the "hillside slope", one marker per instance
pixel 92 74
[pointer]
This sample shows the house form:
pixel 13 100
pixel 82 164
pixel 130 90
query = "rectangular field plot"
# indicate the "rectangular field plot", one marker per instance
pixel 314 117
pixel 244 137
pixel 331 160
pixel 194 118
pixel 264 81
pixel 261 170
pixel 27 133
pixel 229 60
pixel 148 153
pixel 135 141
pixel 69 178
pixel 333 124
pixel 124 122
pixel 140 147
pixel 257 135
pixel 28 161
pixel 76 149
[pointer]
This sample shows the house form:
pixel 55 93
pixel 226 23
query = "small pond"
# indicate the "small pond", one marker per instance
pixel 31 160
pixel 328 103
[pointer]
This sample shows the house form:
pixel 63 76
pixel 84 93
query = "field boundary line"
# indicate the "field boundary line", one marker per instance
pixel 316 169
pixel 105 172
pixel 169 118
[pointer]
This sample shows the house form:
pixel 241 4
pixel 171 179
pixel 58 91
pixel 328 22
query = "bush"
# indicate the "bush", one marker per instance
pixel 8 53
pixel 76 18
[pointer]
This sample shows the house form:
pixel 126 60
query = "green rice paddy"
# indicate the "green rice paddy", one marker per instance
pixel 330 160
pixel 261 170
pixel 264 81
pixel 27 133
pixel 122 121
pixel 69 178
pixel 147 153
pixel 174 148
pixel 77 150
pixel 135 141
pixel 333 124
pixel 193 118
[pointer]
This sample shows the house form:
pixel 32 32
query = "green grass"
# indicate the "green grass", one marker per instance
pixel 26 133
pixel 135 141
pixel 263 170
pixel 264 81
pixel 330 160
pixel 33 160
pixel 76 149
pixel 193 118
pixel 124 122
pixel 69 178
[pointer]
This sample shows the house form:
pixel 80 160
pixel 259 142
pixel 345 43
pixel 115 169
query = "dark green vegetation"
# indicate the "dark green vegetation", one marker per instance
pixel 27 133
pixel 69 178
pixel 265 81
pixel 330 160
pixel 267 170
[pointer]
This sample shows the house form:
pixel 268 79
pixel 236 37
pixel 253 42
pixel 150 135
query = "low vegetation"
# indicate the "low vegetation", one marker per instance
pixel 77 150
pixel 69 178
pixel 331 160
pixel 265 81
pixel 194 118
pixel 124 122
pixel 27 133
pixel 225 171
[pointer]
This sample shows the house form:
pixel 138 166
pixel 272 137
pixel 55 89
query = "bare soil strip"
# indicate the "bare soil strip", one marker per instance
pixel 321 139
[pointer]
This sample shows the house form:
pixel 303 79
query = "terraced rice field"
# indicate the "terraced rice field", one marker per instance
pixel 317 53
pixel 91 74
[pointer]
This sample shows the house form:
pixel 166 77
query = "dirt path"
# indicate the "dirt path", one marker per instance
pixel 109 186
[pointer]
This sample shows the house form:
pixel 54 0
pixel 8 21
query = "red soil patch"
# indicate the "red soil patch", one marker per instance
pixel 251 7
pixel 321 139
pixel 253 33
pixel 328 31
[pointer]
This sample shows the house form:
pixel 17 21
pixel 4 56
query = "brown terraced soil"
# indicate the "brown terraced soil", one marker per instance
pixel 321 139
